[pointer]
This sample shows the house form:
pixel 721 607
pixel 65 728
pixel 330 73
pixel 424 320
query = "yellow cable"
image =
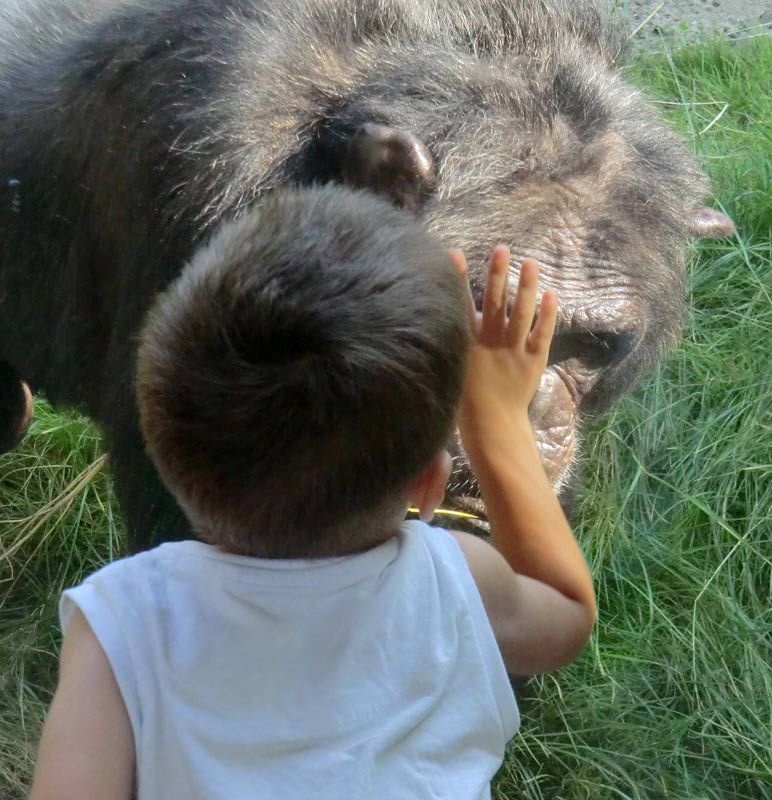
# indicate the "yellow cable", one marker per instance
pixel 448 512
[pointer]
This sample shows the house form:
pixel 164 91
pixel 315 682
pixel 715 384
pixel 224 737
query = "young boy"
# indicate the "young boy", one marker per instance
pixel 296 393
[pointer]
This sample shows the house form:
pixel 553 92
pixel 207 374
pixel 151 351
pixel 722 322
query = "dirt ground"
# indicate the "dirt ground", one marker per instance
pixel 692 18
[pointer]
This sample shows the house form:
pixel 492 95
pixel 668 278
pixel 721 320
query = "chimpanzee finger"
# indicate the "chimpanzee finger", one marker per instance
pixel 458 259
pixel 524 307
pixel 494 312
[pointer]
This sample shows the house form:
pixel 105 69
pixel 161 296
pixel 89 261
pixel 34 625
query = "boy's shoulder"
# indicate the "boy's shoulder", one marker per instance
pixel 416 548
pixel 446 555
pixel 438 541
pixel 130 569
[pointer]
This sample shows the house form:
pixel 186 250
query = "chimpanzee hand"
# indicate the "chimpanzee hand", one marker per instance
pixel 16 407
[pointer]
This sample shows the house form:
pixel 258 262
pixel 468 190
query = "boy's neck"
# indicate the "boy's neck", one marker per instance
pixel 326 550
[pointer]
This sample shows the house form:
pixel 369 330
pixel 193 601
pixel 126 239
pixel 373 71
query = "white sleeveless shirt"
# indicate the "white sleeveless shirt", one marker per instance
pixel 370 676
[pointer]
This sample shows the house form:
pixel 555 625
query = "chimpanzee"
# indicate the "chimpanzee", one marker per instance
pixel 131 129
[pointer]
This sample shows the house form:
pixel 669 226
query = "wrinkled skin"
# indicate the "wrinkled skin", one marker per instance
pixel 129 131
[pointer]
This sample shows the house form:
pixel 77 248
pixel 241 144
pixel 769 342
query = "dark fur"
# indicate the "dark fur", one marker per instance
pixel 130 129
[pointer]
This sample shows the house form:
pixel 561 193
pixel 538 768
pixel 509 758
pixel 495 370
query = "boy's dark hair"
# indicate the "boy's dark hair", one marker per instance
pixel 305 365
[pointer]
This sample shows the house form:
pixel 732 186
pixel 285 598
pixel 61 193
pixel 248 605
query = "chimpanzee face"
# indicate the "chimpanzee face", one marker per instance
pixel 603 198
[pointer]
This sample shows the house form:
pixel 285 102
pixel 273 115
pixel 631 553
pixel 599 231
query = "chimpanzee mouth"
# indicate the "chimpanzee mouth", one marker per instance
pixel 462 512
pixel 455 519
pixel 553 418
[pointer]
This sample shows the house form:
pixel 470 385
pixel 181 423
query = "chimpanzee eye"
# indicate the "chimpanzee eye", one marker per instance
pixel 594 349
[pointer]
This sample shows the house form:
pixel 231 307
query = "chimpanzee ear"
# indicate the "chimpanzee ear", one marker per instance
pixel 391 162
pixel 707 223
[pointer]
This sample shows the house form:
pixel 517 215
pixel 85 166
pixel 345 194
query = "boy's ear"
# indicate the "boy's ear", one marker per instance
pixel 428 489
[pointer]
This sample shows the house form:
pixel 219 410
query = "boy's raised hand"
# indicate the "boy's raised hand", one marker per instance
pixel 533 580
pixel 509 351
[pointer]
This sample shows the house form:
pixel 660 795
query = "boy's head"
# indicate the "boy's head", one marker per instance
pixel 305 366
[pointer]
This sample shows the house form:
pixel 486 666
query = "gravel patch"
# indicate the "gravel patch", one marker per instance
pixel 695 18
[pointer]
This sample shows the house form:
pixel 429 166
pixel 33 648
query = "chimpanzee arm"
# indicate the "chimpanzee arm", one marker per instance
pixel 152 516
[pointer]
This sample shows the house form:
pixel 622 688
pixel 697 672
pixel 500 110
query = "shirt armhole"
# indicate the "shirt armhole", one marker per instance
pixel 439 540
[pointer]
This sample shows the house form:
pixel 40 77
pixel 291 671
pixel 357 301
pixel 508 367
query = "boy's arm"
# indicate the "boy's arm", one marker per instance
pixel 87 748
pixel 534 581
pixel 536 627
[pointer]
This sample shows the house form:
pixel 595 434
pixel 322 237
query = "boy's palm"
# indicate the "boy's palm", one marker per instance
pixel 508 353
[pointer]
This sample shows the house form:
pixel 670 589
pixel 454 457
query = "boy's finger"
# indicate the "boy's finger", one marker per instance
pixel 458 259
pixel 541 335
pixel 494 312
pixel 524 307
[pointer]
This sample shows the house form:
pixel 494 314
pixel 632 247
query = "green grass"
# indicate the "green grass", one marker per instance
pixel 57 524
pixel 672 698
